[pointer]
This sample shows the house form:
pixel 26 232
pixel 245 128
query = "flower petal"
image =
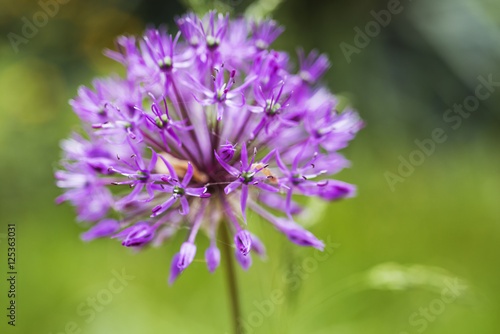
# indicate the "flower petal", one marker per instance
pixel 230 169
pixel 232 186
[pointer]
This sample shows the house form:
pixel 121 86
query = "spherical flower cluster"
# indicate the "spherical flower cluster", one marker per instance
pixel 203 129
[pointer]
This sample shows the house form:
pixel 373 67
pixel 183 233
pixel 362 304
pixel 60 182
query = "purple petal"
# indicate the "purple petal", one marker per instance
pixel 230 169
pixel 278 202
pixel 244 197
pixel 188 176
pixel 244 156
pixel 232 186
pixel 328 189
pixel 268 156
pixel 245 261
pixel 300 236
pixel 162 208
pixel 104 228
pixel 266 187
pixel 170 168
pixel 281 164
pixel 220 111
pixel 289 194
pixel 186 255
pixel 243 241
pixel 125 232
pixel 137 235
pixel 212 256
pixel 227 151
pixel 184 206
pixel 336 189
pixel 196 191
pixel 154 159
pixel 174 269
pixel 149 189
pixel 130 197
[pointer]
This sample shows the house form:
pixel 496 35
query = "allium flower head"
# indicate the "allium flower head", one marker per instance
pixel 208 124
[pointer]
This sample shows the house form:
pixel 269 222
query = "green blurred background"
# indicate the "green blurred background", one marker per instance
pixel 394 250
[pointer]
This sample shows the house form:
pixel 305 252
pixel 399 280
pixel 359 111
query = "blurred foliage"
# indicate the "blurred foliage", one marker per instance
pixel 393 250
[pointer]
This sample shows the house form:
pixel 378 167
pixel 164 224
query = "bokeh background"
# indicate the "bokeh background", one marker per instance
pixel 394 249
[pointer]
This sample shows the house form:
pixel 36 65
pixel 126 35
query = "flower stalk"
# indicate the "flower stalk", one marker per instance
pixel 232 282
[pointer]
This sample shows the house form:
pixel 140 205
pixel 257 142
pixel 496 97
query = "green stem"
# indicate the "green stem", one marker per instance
pixel 227 254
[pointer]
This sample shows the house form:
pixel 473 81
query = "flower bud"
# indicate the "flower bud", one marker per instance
pixel 186 255
pixel 304 238
pixel 331 190
pixel 243 241
pixel 174 269
pixel 212 256
pixel 136 235
pixel 226 151
pixel 298 235
pixel 245 261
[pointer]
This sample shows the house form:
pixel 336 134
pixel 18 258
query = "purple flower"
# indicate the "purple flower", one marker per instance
pixel 208 123
pixel 330 129
pixel 212 256
pixel 271 109
pixel 243 241
pixel 188 26
pixel 312 67
pixel 179 190
pixel 280 203
pixel 299 235
pixel 85 191
pixel 158 49
pixel 137 235
pixel 204 35
pixel 175 271
pixel 265 32
pixel 221 95
pixel 139 176
pixel 226 151
pixel 245 261
pixel 186 255
pixel 165 124
pixel 213 28
pixel 300 178
pixel 94 154
pixel 188 249
pixel 104 228
pixel 295 233
pixel 247 175
pixel 120 124
pixel 270 68
pixel 328 189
